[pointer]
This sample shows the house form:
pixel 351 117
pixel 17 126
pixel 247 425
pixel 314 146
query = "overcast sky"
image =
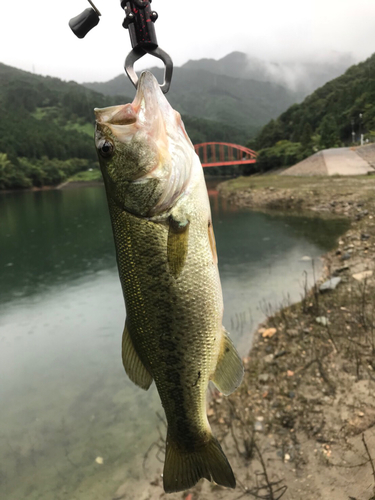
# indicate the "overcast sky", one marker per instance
pixel 34 34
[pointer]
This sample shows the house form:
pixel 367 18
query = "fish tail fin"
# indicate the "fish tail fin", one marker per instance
pixel 183 468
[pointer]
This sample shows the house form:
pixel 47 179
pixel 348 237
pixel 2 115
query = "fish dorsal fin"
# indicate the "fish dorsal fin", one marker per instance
pixel 211 237
pixel 134 367
pixel 178 234
pixel 229 369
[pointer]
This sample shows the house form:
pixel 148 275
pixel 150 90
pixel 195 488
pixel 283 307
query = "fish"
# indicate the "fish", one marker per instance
pixel 167 263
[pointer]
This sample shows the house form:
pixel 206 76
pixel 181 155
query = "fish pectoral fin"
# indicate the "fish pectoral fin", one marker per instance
pixel 229 369
pixel 177 245
pixel 211 238
pixel 134 367
pixel 183 469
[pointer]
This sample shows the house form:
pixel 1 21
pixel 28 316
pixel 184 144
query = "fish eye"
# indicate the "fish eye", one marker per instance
pixel 105 148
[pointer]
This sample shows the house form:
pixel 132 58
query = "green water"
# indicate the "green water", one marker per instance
pixel 64 397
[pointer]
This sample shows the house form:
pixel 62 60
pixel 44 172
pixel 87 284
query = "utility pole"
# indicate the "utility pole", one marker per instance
pixel 353 133
pixel 360 128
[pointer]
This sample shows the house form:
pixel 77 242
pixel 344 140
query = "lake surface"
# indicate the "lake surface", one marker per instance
pixel 64 397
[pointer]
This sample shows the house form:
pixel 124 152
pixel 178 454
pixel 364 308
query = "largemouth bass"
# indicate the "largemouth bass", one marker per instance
pixel 167 263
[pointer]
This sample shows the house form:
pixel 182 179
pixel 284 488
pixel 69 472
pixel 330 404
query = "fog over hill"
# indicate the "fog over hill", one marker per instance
pixel 333 112
pixel 303 76
pixel 241 102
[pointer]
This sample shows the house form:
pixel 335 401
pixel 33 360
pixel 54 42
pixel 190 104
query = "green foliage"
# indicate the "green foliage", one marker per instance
pixel 282 154
pixel 93 174
pixel 270 134
pixel 43 116
pixel 11 176
pixel 329 135
pixel 26 173
pixel 306 137
pixel 329 112
pixel 46 128
pixel 201 130
pixel 22 135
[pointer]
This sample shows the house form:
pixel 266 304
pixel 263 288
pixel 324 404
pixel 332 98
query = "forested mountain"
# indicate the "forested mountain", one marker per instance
pixel 44 116
pixel 324 119
pixel 238 89
pixel 47 127
pixel 239 102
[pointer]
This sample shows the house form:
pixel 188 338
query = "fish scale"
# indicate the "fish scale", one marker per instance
pixel 167 263
pixel 172 320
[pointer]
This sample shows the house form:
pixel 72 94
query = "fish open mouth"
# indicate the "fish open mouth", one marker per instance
pixel 150 112
pixel 148 104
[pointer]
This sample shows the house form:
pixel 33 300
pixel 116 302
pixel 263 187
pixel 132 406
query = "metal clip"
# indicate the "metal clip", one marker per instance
pixel 140 21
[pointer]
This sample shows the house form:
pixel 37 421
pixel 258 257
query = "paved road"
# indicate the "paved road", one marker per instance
pixel 344 161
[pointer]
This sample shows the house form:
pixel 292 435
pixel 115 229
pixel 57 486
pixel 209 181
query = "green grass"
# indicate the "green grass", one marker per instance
pixel 85 128
pixel 298 182
pixel 41 113
pixel 87 176
pixel 52 113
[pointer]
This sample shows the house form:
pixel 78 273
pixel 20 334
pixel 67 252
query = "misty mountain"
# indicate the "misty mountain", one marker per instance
pixel 328 117
pixel 240 102
pixel 301 76
pixel 238 89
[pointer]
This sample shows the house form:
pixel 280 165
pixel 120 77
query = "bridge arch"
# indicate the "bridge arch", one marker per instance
pixel 217 154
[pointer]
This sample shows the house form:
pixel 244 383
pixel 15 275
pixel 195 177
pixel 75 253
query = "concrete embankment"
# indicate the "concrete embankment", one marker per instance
pixel 337 161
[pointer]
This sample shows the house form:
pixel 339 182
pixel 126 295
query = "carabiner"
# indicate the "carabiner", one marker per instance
pixel 140 21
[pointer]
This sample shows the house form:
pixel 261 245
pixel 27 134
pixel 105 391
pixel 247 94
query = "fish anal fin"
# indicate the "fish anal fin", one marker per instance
pixel 211 237
pixel 184 468
pixel 177 246
pixel 134 367
pixel 229 369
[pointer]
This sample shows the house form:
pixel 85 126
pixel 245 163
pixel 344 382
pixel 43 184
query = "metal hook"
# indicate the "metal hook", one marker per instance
pixel 140 21
pixel 139 52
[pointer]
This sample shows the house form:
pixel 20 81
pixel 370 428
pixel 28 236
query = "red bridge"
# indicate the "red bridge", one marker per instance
pixel 216 154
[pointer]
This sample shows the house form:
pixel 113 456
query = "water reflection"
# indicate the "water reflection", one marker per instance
pixel 52 237
pixel 65 399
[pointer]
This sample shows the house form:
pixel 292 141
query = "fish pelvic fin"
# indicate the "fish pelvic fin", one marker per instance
pixel 134 367
pixel 183 469
pixel 229 369
pixel 178 236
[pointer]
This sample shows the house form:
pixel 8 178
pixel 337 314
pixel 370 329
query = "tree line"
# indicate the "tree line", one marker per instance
pixel 25 173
